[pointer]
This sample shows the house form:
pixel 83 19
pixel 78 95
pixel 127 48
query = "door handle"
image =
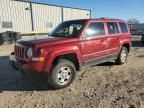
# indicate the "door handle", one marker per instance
pixel 104 39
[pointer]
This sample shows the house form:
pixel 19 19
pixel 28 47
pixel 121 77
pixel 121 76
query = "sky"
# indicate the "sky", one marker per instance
pixel 122 9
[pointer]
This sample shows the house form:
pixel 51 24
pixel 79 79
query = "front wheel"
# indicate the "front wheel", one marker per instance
pixel 122 56
pixel 142 39
pixel 62 74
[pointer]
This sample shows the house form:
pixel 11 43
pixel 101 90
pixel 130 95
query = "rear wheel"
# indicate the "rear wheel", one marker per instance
pixel 122 56
pixel 62 74
pixel 142 39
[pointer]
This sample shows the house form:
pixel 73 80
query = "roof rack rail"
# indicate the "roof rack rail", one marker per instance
pixel 110 18
pixel 106 18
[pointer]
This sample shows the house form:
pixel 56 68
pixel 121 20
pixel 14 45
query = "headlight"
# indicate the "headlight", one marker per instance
pixel 29 52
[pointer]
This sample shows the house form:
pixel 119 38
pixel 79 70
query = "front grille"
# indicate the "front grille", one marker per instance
pixel 19 52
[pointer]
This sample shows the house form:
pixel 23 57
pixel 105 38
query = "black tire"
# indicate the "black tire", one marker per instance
pixel 56 82
pixel 121 60
pixel 142 39
pixel 1 39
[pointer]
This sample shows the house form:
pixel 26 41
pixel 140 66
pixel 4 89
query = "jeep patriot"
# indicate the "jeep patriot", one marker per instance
pixel 71 46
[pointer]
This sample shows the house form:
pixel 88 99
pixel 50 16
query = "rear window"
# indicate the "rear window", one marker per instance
pixel 112 28
pixel 123 27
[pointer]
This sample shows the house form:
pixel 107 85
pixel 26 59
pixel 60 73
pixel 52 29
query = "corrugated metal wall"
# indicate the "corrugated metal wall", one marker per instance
pixel 45 17
pixel 15 12
pixel 70 14
pixel 18 16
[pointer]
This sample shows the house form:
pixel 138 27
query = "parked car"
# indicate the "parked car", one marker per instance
pixel 142 39
pixel 72 46
pixel 137 29
pixel 9 37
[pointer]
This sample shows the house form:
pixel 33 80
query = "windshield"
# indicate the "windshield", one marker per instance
pixel 68 29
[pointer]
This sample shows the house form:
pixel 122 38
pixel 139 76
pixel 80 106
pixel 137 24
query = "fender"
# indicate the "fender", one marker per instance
pixel 125 41
pixel 59 52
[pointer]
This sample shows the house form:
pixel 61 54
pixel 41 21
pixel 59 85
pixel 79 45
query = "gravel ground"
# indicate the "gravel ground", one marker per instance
pixel 104 86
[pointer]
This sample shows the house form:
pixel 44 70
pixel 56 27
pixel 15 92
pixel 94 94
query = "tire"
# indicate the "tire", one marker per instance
pixel 122 58
pixel 62 74
pixel 142 39
pixel 1 39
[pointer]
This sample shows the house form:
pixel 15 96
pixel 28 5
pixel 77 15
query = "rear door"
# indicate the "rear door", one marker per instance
pixel 95 41
pixel 114 38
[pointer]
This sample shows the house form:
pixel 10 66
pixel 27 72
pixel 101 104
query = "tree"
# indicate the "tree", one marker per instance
pixel 133 21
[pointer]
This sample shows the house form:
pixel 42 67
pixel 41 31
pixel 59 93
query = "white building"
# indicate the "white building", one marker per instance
pixel 25 16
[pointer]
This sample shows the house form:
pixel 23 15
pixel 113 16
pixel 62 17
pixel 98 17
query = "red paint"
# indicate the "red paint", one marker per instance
pixel 85 49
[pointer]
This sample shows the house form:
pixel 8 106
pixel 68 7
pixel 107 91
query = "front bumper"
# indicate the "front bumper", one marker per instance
pixel 14 63
pixel 25 66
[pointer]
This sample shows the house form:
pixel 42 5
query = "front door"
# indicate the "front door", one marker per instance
pixel 95 43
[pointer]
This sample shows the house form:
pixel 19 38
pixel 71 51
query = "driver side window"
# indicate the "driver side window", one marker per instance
pixel 74 29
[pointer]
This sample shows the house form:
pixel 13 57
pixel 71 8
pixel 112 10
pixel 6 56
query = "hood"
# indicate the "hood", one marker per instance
pixel 50 40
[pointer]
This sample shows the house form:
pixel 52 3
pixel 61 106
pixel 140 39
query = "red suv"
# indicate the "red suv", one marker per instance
pixel 71 46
